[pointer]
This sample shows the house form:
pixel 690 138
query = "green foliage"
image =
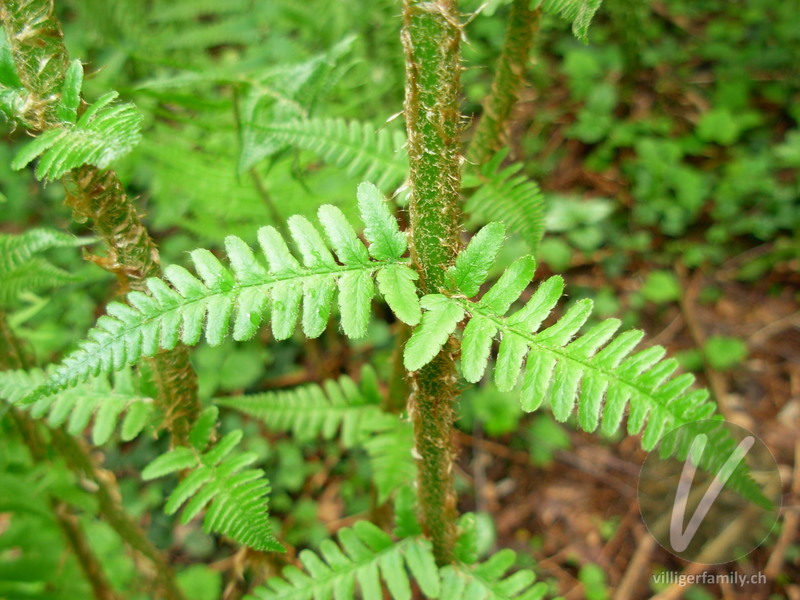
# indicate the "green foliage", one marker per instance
pixel 75 408
pixel 236 498
pixel 661 287
pixel 366 152
pixel 103 133
pixel 569 374
pixel 503 194
pixel 341 409
pixel 578 12
pixel 363 557
pixel 22 270
pixel 723 352
pixel 488 581
pixel 220 297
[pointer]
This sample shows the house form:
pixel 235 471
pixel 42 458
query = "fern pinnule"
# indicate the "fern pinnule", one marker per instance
pixel 488 580
pixel 221 300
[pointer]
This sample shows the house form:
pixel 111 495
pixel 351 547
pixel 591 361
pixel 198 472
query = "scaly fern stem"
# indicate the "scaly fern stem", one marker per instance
pixel 36 41
pixel 431 36
pixel 509 73
pixel 11 357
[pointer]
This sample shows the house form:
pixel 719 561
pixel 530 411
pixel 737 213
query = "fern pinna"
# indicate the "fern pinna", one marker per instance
pixel 237 497
pixel 222 299
pixel 343 409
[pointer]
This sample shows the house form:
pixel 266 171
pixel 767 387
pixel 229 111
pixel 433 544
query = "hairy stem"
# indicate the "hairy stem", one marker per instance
pixel 508 78
pixel 40 57
pixel 431 36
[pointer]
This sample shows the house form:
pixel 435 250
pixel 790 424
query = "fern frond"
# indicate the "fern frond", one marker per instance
pixel 578 12
pixel 488 581
pixel 364 151
pixel 593 370
pixel 15 250
pixel 236 298
pixel 21 270
pixel 363 557
pixel 236 497
pixel 98 399
pixel 503 194
pixel 311 411
pixel 102 134
pixel 283 94
pixel 340 407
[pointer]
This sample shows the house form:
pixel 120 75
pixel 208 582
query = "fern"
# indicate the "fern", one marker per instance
pixel 76 408
pixel 487 581
pixel 345 409
pixel 311 411
pixel 21 270
pixel 222 298
pixel 558 369
pixel 364 555
pixel 237 497
pixel 366 152
pixel 103 133
pixel 504 194
pixel 578 12
pixel 280 95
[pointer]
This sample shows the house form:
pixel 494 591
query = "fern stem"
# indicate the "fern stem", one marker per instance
pixel 37 47
pixel 41 59
pixel 509 73
pixel 431 36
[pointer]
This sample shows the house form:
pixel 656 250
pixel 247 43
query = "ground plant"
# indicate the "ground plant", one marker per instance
pixel 266 268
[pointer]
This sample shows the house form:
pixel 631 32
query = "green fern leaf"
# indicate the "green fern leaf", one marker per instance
pixel 220 298
pixel 578 12
pixel 473 264
pixel 340 408
pixel 488 581
pixel 75 408
pixel 104 133
pixel 16 250
pixel 363 557
pixel 503 194
pixel 438 324
pixel 557 369
pixel 236 498
pixel 365 151
pixel 311 411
